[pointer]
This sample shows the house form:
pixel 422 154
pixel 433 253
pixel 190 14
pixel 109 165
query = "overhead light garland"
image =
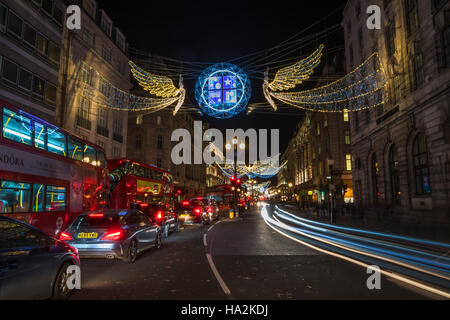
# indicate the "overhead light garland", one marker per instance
pixel 261 169
pixel 361 89
pixel 106 95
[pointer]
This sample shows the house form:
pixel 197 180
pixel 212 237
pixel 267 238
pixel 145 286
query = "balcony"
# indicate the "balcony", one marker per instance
pixel 103 131
pixel 83 123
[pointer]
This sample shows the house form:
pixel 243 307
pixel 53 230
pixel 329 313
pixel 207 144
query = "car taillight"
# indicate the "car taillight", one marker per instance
pixel 210 209
pixel 64 236
pixel 96 215
pixel 159 215
pixel 198 210
pixel 113 235
pixel 185 203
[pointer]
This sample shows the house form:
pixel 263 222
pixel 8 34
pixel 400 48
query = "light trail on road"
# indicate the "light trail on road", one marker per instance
pixel 408 262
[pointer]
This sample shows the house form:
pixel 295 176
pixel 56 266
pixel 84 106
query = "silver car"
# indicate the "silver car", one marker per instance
pixel 112 233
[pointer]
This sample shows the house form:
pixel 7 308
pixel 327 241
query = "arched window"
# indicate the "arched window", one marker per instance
pixel 375 173
pixel 421 168
pixel 394 174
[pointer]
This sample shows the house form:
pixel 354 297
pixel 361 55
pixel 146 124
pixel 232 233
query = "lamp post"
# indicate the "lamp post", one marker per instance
pixel 330 186
pixel 228 146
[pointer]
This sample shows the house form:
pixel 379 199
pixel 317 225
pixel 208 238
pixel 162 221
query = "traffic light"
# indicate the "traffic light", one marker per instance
pixel 238 182
pixel 232 178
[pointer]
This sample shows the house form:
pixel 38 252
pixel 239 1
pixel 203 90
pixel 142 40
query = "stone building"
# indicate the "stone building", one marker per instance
pixel 321 137
pixel 30 55
pixel 94 68
pixel 215 176
pixel 401 150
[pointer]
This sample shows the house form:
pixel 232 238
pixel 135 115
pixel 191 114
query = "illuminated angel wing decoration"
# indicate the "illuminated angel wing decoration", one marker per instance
pixel 160 86
pixel 289 77
pixel 360 89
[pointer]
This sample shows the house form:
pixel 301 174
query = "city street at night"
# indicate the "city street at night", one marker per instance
pixel 253 261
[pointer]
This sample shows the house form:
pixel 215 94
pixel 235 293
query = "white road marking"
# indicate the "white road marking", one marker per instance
pixel 386 273
pixel 209 229
pixel 205 243
pixel 217 275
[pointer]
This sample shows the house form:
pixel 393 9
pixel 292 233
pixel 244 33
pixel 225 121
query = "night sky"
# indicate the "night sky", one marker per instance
pixel 216 31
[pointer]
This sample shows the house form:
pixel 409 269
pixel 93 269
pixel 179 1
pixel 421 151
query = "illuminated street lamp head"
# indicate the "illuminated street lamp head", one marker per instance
pixel 242 146
pixel 235 140
pixel 290 184
pixel 228 146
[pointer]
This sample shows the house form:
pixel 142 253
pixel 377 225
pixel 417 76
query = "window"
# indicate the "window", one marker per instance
pixel 56 141
pixel 394 174
pixel 159 142
pixel 356 121
pixel 14 25
pixel 86 74
pixel 390 39
pixel 367 114
pixel 139 120
pixel 375 173
pixel 106 24
pixel 30 35
pixel 55 198
pixel 412 18
pixel 9 71
pixel 40 134
pixel 346 116
pixel 25 79
pixel 89 154
pixel 38 198
pixel 106 53
pixel 104 87
pixel 120 41
pixel 50 94
pixel 20 236
pixel 75 149
pixel 3 13
pixel 358 8
pixel 54 52
pixel 347 136
pixel 58 15
pixel 421 168
pixel 419 77
pixel 16 127
pixel 102 124
pixel 83 113
pixel 101 159
pixel 117 129
pixel 38 87
pixel 446 46
pixel 91 7
pixel 15 197
pixel 116 152
pixel 88 37
pixel 42 44
pixel 159 163
pixel 138 141
pixel 351 55
pixel 348 162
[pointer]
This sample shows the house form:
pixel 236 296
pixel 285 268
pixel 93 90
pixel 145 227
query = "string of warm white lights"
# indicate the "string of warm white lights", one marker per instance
pixel 106 95
pixel 360 89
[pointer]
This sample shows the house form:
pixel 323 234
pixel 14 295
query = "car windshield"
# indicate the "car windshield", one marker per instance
pixel 96 221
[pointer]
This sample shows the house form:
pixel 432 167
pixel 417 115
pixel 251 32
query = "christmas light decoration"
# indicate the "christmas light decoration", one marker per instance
pixel 106 95
pixel 289 77
pixel 261 169
pixel 222 91
pixel 361 89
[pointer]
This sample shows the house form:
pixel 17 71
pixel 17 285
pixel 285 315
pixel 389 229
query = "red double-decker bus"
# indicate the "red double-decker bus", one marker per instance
pixel 47 176
pixel 133 182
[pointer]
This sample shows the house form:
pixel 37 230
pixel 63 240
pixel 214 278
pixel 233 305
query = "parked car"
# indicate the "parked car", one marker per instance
pixel 33 265
pixel 165 218
pixel 113 233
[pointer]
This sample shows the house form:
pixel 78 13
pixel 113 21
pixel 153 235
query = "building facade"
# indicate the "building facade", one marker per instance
pixel 401 150
pixel 319 155
pixel 94 72
pixel 30 55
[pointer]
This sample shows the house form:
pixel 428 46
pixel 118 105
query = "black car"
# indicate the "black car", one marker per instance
pixel 33 265
pixel 166 219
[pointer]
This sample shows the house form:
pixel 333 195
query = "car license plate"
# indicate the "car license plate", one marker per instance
pixel 87 235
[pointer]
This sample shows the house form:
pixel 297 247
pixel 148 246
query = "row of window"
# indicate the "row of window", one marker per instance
pixel 28 35
pixel 29 83
pixel 20 197
pixel 50 9
pixel 22 129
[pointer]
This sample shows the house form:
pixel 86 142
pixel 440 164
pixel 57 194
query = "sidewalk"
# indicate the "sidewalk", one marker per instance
pixel 420 230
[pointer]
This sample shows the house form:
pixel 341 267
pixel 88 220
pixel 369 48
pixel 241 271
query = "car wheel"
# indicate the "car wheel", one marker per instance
pixel 60 289
pixel 158 240
pixel 132 251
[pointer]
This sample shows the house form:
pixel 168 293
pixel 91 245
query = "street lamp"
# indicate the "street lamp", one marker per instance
pixel 235 142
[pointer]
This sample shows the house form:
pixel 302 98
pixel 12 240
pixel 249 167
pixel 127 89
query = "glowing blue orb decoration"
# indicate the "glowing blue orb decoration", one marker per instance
pixel 222 91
